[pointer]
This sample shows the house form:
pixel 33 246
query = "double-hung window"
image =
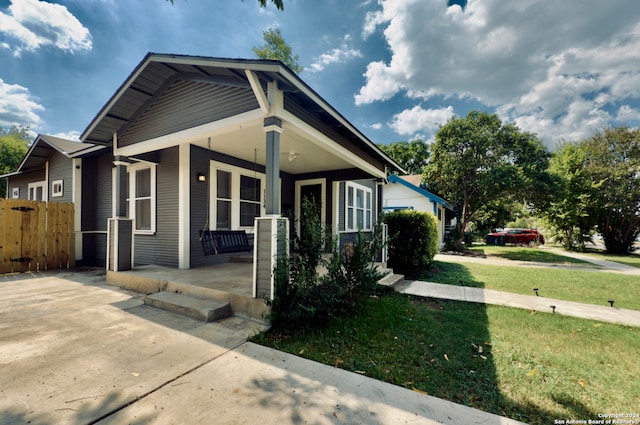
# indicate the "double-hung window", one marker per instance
pixel 236 196
pixel 357 207
pixel 141 197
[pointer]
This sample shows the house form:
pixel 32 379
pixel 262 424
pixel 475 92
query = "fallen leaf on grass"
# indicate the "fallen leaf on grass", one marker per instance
pixel 531 372
pixel 446 357
pixel 419 391
pixel 483 357
pixel 301 351
pixel 361 372
pixel 581 382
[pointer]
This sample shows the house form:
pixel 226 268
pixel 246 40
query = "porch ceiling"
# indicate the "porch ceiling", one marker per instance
pixel 297 154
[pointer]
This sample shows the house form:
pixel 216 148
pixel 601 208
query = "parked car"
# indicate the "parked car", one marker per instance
pixel 530 237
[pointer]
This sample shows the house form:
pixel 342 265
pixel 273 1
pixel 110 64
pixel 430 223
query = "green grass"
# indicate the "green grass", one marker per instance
pixel 632 260
pixel 530 367
pixel 588 287
pixel 518 253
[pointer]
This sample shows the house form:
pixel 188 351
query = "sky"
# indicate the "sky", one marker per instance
pixel 396 69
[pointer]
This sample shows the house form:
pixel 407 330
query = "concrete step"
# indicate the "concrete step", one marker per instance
pixel 196 308
pixel 391 280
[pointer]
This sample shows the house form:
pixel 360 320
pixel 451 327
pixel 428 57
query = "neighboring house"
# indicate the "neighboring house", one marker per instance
pixel 190 143
pixel 406 192
pixel 49 172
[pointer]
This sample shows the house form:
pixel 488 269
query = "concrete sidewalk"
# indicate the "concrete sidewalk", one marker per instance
pixel 529 302
pixel 75 350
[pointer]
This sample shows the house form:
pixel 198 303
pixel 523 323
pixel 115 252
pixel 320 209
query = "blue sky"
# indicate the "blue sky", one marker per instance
pixel 395 68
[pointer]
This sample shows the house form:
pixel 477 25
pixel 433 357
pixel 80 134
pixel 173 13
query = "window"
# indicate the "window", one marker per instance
pixel 249 200
pixel 141 195
pixel 37 191
pixel 237 196
pixel 15 192
pixel 56 188
pixel 357 207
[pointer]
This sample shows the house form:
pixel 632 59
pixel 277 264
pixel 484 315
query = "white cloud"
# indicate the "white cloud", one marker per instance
pixel 31 24
pixel 554 68
pixel 338 55
pixel 376 126
pixel 18 106
pixel 417 119
pixel 627 113
pixel 69 135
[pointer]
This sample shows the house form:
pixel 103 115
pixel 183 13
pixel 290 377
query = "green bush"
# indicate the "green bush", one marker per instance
pixel 303 297
pixel 413 241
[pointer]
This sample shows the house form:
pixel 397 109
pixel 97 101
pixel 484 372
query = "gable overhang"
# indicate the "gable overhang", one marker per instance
pixel 433 198
pixel 326 139
pixel 41 150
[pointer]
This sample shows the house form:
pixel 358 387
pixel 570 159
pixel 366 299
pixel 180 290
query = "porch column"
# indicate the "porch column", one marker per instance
pixel 120 189
pixel 120 228
pixel 273 128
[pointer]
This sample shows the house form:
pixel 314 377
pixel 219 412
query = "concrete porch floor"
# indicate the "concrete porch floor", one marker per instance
pixel 230 282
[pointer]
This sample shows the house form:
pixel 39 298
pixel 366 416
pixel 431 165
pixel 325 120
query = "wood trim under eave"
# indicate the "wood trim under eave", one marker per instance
pixel 326 143
pixel 216 128
pixel 261 97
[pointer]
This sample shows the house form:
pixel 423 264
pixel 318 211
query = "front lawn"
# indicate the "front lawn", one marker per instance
pixel 632 260
pixel 518 253
pixel 590 287
pixel 530 367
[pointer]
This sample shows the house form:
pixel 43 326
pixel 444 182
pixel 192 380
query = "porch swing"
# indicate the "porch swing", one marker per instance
pixel 220 241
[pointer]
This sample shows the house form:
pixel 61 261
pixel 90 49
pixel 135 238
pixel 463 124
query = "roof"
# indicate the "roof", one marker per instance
pixel 43 147
pixel 410 182
pixel 157 72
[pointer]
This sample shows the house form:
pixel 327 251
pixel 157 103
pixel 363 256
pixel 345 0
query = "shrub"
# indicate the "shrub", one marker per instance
pixel 413 240
pixel 303 296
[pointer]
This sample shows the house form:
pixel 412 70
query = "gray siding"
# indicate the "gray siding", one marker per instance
pixel 188 104
pixel 61 168
pixel 22 181
pixel 162 247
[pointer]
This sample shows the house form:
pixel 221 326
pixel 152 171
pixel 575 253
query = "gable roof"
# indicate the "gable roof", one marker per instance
pixel 157 73
pixel 413 182
pixel 43 147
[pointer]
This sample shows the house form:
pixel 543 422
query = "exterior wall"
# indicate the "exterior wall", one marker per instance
pixel 161 248
pixel 61 168
pixel 96 207
pixel 396 195
pixel 22 181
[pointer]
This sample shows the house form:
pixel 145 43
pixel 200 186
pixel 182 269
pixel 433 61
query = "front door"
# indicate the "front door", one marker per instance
pixel 311 189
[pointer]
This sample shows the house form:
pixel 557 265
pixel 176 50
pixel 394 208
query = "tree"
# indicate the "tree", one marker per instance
pixel 612 162
pixel 477 160
pixel 412 156
pixel 279 4
pixel 568 214
pixel 275 47
pixel 13 146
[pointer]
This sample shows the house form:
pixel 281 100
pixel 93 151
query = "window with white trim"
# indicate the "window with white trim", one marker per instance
pixel 237 196
pixel 357 207
pixel 141 197
pixel 57 188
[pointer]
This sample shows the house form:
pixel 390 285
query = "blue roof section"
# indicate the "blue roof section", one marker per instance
pixel 433 198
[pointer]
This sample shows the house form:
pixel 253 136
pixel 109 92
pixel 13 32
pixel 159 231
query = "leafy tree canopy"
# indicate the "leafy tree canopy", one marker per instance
pixel 275 47
pixel 477 160
pixel 13 146
pixel 412 156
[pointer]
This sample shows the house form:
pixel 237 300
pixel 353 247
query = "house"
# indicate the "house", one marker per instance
pixel 192 143
pixel 50 172
pixel 407 192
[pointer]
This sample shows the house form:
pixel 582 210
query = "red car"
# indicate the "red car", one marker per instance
pixel 530 237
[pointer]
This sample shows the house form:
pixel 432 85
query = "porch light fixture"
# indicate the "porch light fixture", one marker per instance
pixel 292 156
pixel 201 177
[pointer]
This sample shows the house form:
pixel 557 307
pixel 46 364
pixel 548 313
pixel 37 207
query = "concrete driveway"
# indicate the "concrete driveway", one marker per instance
pixel 75 350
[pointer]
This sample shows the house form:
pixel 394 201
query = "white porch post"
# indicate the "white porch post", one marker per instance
pixel 184 208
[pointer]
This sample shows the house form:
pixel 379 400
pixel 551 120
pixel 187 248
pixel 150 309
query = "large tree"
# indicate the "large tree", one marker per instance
pixel 477 160
pixel 13 146
pixel 275 47
pixel 569 212
pixel 613 163
pixel 412 156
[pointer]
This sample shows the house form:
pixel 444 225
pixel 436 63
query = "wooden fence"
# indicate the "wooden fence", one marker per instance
pixel 36 236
